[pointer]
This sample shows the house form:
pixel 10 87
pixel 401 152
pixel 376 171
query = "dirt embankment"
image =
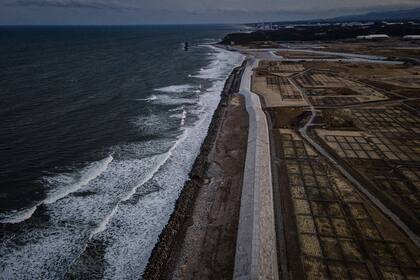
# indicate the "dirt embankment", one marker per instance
pixel 199 239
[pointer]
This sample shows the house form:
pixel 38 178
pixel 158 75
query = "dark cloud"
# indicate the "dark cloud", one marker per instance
pixel 69 4
pixel 184 11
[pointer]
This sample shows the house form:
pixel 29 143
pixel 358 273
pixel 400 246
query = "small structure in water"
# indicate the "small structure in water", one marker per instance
pixel 186 46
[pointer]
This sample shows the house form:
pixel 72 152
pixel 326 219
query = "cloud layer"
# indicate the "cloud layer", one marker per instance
pixel 183 11
pixel 91 4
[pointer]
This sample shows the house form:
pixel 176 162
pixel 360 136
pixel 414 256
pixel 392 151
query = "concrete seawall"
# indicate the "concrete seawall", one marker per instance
pixel 256 254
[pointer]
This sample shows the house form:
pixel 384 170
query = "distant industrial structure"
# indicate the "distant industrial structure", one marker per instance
pixel 411 37
pixel 373 37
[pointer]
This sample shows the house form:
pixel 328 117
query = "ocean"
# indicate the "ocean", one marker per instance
pixel 99 127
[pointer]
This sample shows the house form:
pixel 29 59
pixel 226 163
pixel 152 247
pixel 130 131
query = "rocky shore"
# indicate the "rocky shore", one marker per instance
pixel 200 210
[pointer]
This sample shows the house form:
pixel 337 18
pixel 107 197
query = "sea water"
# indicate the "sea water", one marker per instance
pixel 99 129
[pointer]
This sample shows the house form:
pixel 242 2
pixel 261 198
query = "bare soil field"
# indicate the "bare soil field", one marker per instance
pixel 332 230
pixel 367 118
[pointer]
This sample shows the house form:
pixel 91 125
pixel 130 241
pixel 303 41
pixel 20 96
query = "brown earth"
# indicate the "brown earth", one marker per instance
pixel 285 117
pixel 208 250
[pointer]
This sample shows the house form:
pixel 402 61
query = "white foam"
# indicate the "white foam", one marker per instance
pixel 47 250
pixel 65 184
pixel 102 225
pixel 61 186
pixel 176 109
pixel 135 227
pixel 164 157
pixel 220 64
pixel 167 99
pixel 184 116
pixel 150 98
pixel 129 224
pixel 154 124
pixel 18 216
pixel 177 88
pixel 209 41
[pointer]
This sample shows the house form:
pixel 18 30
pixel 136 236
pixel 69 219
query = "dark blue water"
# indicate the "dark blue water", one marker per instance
pixel 99 127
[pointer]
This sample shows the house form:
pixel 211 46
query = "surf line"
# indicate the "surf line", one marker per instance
pixel 55 196
pixel 103 224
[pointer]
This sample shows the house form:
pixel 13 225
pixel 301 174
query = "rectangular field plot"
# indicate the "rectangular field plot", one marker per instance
pixel 286 89
pixel 281 67
pixel 328 89
pixel 388 161
pixel 350 144
pixel 277 91
pixel 388 120
pixel 340 234
pixel 293 145
pixel 319 80
pixel 333 101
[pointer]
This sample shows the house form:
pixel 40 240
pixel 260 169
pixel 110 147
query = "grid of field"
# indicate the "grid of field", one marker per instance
pixel 399 89
pixel 277 90
pixel 278 67
pixel 286 89
pixel 281 84
pixel 328 89
pixel 374 79
pixel 312 79
pixel 391 120
pixel 402 187
pixel 333 100
pixel 386 151
pixel 364 90
pixel 350 144
pixel 340 234
pixel 343 91
pixel 365 117
pixel 282 69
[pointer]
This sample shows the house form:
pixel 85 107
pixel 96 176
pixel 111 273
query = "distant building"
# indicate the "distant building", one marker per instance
pixel 392 23
pixel 373 37
pixel 351 24
pixel 411 37
pixel 356 23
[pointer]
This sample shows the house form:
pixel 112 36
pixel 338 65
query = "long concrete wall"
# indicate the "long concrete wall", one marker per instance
pixel 256 254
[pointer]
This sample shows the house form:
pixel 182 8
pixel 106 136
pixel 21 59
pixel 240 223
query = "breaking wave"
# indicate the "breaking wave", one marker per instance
pixel 65 184
pixel 180 88
pixel 125 199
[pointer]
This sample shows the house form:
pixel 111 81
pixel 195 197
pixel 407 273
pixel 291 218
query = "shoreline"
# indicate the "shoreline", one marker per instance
pixel 176 228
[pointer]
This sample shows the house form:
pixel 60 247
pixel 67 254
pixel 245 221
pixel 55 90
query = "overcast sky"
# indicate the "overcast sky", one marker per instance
pixel 183 11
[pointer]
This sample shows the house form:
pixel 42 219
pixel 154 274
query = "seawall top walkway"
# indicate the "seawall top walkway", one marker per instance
pixel 256 254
